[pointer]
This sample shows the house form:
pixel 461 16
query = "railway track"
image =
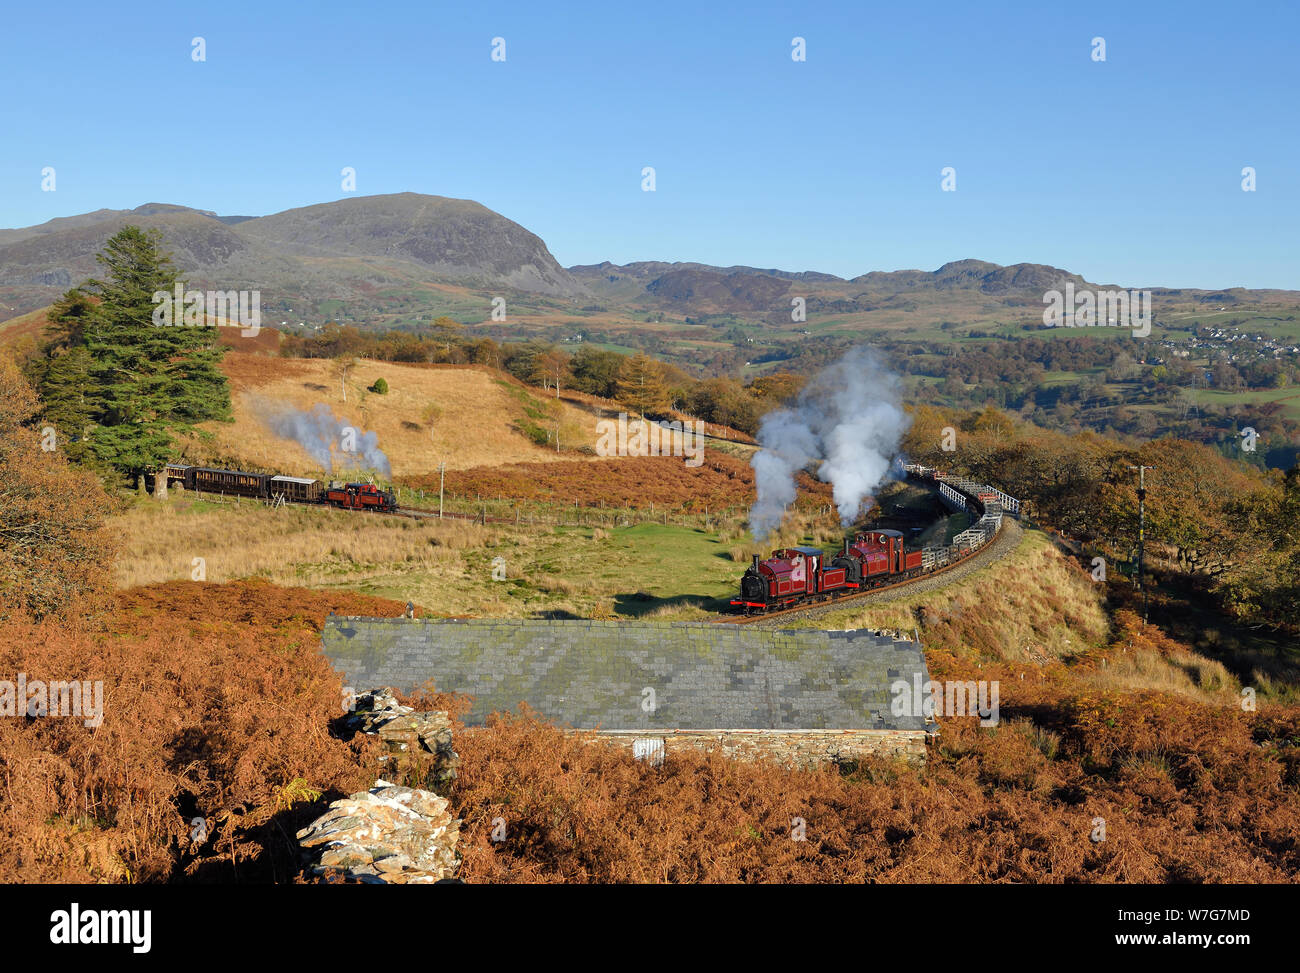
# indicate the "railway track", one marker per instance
pixel 1007 540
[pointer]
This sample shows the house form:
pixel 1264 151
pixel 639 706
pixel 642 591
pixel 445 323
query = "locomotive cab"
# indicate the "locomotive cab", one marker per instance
pixel 881 551
pixel 788 575
pixel 360 496
pixel 790 569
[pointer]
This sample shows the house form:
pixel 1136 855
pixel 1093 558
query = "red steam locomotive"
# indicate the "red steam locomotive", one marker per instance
pixel 799 574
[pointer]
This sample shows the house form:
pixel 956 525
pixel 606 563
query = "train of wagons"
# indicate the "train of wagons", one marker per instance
pixel 794 576
pixel 278 488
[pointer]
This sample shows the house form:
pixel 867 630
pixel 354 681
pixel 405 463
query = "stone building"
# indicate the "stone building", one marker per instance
pixel 801 696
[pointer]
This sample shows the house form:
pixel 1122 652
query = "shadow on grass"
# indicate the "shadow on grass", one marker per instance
pixel 639 604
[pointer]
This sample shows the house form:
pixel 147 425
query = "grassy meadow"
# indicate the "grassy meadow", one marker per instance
pixel 447 567
pixel 1035 612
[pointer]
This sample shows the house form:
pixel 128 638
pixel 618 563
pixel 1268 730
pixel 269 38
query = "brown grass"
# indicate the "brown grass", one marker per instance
pixel 993 806
pixel 219 704
pixel 311 546
pixel 216 704
pixel 54 546
pixel 475 424
pixel 722 481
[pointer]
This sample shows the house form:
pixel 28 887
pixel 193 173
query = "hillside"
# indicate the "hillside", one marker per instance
pixel 453 239
pixel 1099 718
pixel 399 260
pixel 365 252
pixel 465 416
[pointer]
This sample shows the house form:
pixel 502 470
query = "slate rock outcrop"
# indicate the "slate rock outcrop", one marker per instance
pixel 389 835
pixel 405 731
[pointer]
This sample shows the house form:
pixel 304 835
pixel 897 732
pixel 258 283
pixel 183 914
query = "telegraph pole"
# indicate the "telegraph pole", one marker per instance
pixel 442 468
pixel 1142 530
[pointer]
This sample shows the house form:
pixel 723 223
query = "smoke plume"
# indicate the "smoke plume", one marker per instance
pixel 331 441
pixel 849 421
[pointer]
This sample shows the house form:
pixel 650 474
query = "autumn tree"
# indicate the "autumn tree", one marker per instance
pixel 550 369
pixel 777 388
pixel 641 386
pixel 1265 586
pixel 340 368
pixel 725 403
pixel 596 371
pixel 1192 502
pixel 447 331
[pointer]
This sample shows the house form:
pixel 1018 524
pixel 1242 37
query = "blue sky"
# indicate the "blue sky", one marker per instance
pixel 1127 171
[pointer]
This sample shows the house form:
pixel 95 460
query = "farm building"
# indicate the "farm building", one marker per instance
pixel 801 696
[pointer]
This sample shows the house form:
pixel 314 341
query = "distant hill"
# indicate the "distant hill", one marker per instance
pixel 400 260
pixel 455 239
pixel 988 278
pixel 703 288
pixel 345 251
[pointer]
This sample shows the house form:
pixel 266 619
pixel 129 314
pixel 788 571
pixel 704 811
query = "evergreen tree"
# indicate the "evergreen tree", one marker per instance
pixel 63 373
pixel 128 381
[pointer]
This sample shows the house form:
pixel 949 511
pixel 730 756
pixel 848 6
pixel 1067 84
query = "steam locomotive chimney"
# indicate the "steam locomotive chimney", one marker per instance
pixel 756 564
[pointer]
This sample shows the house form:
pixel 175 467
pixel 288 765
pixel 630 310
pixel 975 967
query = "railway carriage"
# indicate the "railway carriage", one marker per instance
pixel 232 482
pixel 296 489
pixel 272 486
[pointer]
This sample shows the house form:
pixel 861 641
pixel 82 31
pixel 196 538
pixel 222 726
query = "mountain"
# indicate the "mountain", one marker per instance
pixel 650 270
pixel 988 278
pixel 401 259
pixel 695 287
pixel 454 239
pixel 345 252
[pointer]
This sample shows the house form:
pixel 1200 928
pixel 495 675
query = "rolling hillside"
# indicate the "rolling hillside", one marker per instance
pixel 369 253
pixel 463 416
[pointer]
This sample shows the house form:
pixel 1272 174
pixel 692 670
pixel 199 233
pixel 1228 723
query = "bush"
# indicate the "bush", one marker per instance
pixel 380 387
pixel 55 550
pixel 188 731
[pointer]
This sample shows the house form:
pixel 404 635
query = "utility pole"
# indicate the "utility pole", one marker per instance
pixel 1142 530
pixel 442 468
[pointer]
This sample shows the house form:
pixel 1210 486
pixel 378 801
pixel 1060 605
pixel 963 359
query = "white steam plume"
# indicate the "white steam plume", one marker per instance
pixel 331 442
pixel 849 420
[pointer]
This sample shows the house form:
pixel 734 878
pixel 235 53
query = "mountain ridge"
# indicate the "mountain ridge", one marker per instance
pixel 388 257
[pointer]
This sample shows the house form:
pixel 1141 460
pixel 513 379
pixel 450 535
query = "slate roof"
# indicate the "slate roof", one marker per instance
pixel 593 674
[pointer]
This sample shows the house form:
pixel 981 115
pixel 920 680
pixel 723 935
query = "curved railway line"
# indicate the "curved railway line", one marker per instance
pixel 1008 540
pixel 880 553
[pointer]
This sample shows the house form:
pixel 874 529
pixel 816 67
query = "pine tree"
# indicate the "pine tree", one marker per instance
pixel 141 381
pixel 63 373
